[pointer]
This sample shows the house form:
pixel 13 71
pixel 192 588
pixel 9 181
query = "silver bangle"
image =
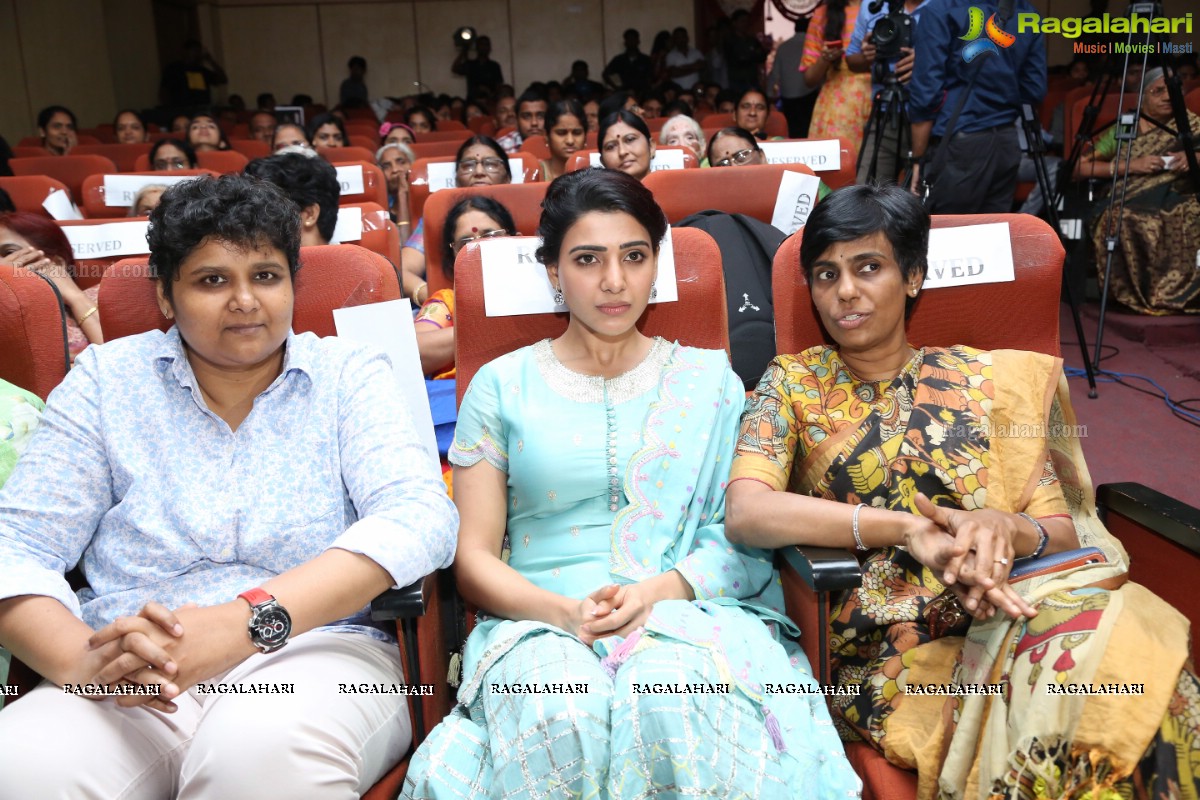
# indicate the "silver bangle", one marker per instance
pixel 858 542
pixel 1043 537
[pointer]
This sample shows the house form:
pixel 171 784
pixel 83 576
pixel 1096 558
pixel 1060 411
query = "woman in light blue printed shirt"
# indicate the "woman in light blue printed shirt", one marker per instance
pixel 227 488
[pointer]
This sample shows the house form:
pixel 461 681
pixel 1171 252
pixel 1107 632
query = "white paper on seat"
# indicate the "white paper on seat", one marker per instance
pixel 443 174
pixel 820 155
pixel 969 254
pixel 663 159
pixel 119 190
pixel 350 178
pixel 349 226
pixel 59 206
pixel 795 200
pixel 112 239
pixel 388 326
pixel 515 283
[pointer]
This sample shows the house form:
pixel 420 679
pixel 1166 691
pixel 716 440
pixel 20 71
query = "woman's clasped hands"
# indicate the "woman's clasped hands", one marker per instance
pixel 620 609
pixel 977 565
pixel 173 650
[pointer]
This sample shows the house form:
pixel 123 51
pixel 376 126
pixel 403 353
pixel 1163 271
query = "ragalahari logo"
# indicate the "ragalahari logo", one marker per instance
pixel 995 36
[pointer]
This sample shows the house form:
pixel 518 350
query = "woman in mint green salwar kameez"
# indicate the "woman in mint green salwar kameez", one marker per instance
pixel 627 647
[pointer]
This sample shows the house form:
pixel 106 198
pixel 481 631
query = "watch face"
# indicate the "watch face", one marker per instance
pixel 272 626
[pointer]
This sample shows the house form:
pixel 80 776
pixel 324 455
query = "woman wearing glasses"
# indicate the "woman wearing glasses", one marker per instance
pixel 481 161
pixel 625 144
pixel 171 154
pixel 471 219
pixel 734 147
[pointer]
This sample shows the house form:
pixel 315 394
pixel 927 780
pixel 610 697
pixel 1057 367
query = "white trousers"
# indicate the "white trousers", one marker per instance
pixel 319 742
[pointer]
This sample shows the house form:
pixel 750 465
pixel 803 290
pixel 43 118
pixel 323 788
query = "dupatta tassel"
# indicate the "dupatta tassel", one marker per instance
pixel 773 728
pixel 621 653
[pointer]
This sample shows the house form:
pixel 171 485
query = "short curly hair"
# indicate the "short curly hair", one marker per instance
pixel 237 209
pixel 307 180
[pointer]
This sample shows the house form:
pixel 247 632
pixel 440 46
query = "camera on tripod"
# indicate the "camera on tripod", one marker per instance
pixel 891 32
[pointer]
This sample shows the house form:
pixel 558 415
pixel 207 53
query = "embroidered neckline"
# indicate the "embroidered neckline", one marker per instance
pixel 582 388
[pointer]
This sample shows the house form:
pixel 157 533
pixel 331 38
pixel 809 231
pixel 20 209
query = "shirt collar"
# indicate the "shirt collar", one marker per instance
pixel 171 354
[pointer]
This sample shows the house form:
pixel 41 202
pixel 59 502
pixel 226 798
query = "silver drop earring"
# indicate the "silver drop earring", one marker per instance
pixel 653 292
pixel 558 296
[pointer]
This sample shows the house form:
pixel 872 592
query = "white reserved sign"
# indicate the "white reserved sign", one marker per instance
pixel 444 174
pixel 821 155
pixel 663 159
pixel 515 283
pixel 389 327
pixel 969 254
pixel 350 178
pixel 112 239
pixel 59 206
pixel 119 190
pixel 349 226
pixel 795 200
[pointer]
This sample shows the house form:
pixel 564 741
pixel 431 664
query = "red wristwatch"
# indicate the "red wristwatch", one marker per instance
pixel 270 623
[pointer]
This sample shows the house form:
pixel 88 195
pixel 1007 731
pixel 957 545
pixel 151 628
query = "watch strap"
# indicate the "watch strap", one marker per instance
pixel 256 596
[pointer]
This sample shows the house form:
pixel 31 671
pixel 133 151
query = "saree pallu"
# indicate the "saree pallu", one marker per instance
pixel 1154 268
pixel 974 430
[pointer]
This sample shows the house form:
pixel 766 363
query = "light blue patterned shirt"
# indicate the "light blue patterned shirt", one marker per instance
pixel 132 476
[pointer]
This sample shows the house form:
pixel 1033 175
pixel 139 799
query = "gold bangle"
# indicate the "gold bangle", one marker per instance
pixel 403 222
pixel 87 314
pixel 417 292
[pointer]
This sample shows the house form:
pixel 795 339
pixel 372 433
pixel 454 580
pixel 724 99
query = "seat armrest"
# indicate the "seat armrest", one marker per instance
pixel 406 602
pixel 1156 512
pixel 824 569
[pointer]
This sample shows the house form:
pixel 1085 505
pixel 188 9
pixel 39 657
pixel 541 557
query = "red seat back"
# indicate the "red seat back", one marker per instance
pixel 734 190
pixel 330 276
pixel 699 318
pixel 68 170
pixel 28 192
pixel 418 179
pixel 374 185
pixel 125 156
pixel 94 202
pixel 989 316
pixel 33 336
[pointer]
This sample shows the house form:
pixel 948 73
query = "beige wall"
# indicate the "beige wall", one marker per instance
pixel 410 40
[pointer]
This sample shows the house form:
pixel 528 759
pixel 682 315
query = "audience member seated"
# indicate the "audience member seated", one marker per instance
pixel 734 147
pixel 420 120
pixel 326 130
pixel 56 125
pixel 288 134
pixel 397 133
pixel 751 112
pixel 396 160
pixel 683 131
pixel 480 162
pixel 471 219
pixel 146 200
pixel 37 243
pixel 620 575
pixel 309 182
pixel 625 144
pixel 129 127
pixel 566 133
pixel 20 414
pixel 505 115
pixel 1154 264
pixel 591 110
pixel 205 134
pixel 201 567
pixel 262 127
pixel 180 124
pixel 171 154
pixel 885 448
pixel 531 120
pixel 652 106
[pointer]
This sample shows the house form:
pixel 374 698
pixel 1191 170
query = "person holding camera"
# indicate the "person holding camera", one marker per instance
pixel 970 108
pixel 886 52
pixel 483 75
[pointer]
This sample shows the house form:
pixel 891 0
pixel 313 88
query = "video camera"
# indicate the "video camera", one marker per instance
pixel 891 32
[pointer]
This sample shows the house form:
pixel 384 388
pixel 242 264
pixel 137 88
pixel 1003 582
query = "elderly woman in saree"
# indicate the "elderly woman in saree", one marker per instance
pixel 909 455
pixel 1154 264
pixel 603 454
